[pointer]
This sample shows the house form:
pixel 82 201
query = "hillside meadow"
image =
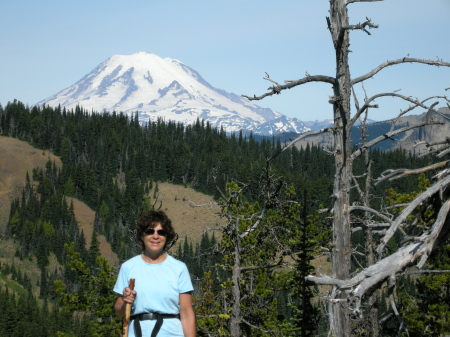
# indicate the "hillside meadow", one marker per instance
pixel 191 212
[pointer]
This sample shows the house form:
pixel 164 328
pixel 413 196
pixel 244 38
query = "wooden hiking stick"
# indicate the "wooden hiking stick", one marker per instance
pixel 126 321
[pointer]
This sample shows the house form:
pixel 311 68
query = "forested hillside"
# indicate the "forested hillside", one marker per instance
pixel 115 165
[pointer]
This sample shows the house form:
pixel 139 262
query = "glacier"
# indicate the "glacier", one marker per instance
pixel 155 87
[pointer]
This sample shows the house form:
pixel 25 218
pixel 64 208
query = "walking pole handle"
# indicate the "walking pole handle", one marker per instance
pixel 126 321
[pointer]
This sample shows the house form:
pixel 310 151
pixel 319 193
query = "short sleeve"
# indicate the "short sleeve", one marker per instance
pixel 122 280
pixel 185 283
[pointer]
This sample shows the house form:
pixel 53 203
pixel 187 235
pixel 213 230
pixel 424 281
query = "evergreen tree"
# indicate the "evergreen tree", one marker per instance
pixel 94 294
pixel 254 243
pixel 94 250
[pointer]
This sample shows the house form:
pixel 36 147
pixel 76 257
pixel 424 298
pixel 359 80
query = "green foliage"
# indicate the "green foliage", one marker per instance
pixel 93 295
pixel 69 187
pixel 426 304
pixel 22 316
pixel 309 233
pixel 255 243
pixel 108 160
pixel 210 319
pixel 424 299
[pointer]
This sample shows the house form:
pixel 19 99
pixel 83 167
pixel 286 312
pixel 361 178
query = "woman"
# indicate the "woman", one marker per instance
pixel 161 300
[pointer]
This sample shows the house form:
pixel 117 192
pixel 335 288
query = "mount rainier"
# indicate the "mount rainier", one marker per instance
pixel 155 87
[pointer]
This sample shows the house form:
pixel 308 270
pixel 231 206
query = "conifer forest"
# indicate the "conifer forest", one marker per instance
pixel 379 219
pixel 273 294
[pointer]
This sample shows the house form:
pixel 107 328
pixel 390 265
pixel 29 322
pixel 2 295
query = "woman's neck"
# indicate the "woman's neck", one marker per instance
pixel 153 258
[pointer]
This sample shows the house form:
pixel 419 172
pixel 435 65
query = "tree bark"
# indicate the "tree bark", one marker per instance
pixel 346 295
pixel 236 317
pixel 341 252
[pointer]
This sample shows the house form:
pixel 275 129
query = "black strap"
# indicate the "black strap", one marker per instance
pixel 152 316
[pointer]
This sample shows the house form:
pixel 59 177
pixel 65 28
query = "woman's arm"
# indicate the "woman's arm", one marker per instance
pixel 128 296
pixel 187 315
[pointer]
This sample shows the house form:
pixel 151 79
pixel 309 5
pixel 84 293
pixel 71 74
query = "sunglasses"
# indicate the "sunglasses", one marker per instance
pixel 151 231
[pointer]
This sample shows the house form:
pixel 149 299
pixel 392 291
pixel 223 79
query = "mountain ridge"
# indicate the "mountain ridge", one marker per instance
pixel 154 87
pixel 408 140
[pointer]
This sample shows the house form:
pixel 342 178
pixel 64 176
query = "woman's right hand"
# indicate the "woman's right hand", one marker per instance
pixel 128 295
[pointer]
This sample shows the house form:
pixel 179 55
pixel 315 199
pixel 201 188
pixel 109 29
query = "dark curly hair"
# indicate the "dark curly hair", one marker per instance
pixel 150 220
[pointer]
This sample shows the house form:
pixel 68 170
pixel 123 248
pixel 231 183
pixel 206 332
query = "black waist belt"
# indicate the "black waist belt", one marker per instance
pixel 152 316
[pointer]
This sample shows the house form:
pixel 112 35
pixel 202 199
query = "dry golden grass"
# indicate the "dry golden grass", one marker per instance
pixel 179 204
pixel 16 159
pixel 85 218
pixel 7 252
pixel 322 266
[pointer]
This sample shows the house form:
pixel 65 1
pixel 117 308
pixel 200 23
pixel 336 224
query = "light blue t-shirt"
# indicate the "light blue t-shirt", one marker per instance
pixel 158 287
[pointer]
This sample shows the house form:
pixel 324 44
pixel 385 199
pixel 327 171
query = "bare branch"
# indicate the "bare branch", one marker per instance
pixel 386 318
pixel 376 225
pixel 441 142
pixel 265 266
pixel 375 274
pixel 397 206
pixel 255 327
pixel 355 98
pixel 255 225
pixel 440 152
pixel 427 272
pixel 368 101
pixel 300 137
pixel 361 26
pixel 368 279
pixel 442 174
pixel 325 280
pixel 193 204
pixel 370 210
pixel 441 114
pixel 291 84
pixel 391 287
pixel 443 153
pixel 353 1
pixel 429 240
pixel 408 210
pixel 400 173
pixel 387 136
pixel 372 277
pixel 443 150
pixel 438 63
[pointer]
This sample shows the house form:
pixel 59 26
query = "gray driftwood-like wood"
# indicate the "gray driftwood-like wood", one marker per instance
pixel 348 291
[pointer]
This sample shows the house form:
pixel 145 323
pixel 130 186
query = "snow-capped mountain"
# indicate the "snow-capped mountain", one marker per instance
pixel 317 125
pixel 156 87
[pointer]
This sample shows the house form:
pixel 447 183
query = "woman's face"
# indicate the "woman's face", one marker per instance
pixel 154 243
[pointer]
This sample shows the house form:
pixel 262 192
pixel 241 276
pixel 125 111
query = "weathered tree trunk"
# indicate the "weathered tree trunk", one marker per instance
pixel 369 248
pixel 236 317
pixel 341 253
pixel 347 293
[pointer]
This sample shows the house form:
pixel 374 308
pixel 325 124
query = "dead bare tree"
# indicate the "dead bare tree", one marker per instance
pixel 344 301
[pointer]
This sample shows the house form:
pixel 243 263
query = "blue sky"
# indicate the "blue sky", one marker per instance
pixel 48 45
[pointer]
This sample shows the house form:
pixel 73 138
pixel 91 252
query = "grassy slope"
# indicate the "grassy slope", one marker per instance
pixel 191 212
pixel 18 157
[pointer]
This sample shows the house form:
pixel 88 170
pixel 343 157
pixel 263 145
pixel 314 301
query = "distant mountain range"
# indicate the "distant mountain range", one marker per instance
pixel 408 140
pixel 166 88
pixel 154 87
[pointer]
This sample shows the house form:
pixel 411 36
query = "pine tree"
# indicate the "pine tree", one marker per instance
pixel 93 296
pixel 94 250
